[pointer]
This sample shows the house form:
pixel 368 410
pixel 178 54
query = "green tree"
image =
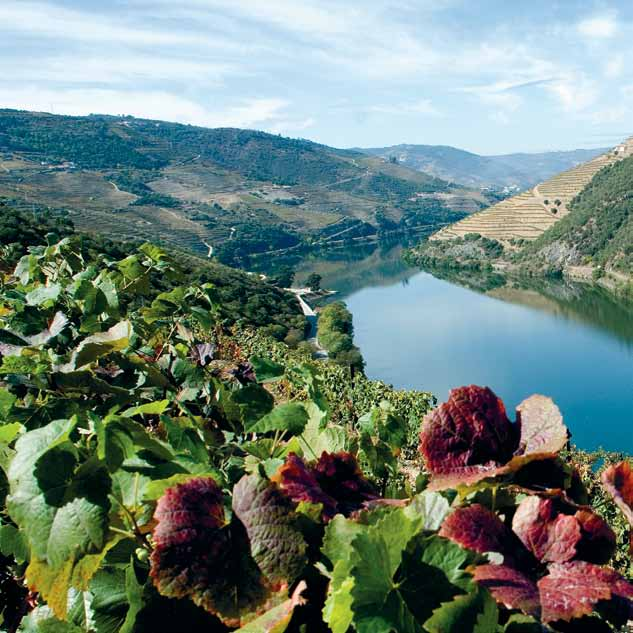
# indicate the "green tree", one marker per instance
pixel 314 282
pixel 283 278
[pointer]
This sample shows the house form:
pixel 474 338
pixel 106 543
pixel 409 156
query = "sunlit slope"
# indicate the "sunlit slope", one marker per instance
pixel 531 213
pixel 240 193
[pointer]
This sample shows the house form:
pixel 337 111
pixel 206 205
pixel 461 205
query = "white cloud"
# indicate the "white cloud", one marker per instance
pixel 598 26
pixel 421 106
pixel 614 67
pixel 311 17
pixel 118 68
pixel 146 104
pixel 254 113
pixel 265 114
pixel 44 19
pixel 291 126
pixel 500 97
pixel 575 93
pixel 611 114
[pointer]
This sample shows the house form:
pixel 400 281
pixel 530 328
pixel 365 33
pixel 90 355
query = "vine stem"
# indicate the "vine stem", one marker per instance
pixel 308 445
pixel 273 448
pixel 124 532
pixel 137 534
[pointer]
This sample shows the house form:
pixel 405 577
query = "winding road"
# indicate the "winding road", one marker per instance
pixel 312 318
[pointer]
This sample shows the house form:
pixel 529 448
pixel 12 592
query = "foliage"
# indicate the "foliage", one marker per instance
pixel 314 282
pixel 87 141
pixel 157 200
pixel 242 298
pixel 252 238
pixel 472 252
pixel 283 278
pixel 336 334
pixel 599 224
pixel 350 399
pixel 153 463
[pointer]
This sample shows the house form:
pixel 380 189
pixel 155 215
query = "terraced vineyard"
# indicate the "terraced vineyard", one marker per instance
pixel 531 213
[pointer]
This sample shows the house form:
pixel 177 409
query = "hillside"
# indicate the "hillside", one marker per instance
pixel 243 298
pixel 238 192
pixel 598 230
pixel 592 241
pixel 529 214
pixel 473 170
pixel 158 465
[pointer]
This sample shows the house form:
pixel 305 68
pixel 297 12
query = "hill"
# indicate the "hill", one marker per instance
pixel 473 170
pixel 529 214
pixel 593 240
pixel 238 192
pixel 597 233
pixel 244 298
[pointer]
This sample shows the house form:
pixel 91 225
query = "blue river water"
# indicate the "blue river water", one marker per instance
pixel 569 342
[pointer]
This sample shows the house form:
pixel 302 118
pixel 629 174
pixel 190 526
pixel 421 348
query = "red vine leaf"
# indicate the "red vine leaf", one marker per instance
pixel 299 482
pixel 478 529
pixel 340 477
pixel 187 509
pixel 572 590
pixel 334 481
pixel 598 541
pixel 198 556
pixel 469 438
pixel 550 536
pixel 509 587
pixel 618 482
pixel 469 434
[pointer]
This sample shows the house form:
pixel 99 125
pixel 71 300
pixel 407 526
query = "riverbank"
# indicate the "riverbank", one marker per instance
pixel 474 253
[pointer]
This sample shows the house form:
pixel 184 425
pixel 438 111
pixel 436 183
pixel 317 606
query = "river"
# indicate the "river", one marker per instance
pixel 568 341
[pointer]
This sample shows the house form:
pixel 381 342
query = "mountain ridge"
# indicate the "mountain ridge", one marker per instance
pixel 516 170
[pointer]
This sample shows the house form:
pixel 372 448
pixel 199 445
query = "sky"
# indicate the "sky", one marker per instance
pixel 491 76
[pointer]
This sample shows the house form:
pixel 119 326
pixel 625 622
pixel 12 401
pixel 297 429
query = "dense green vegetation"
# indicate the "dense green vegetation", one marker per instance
pixel 251 239
pixel 158 200
pixel 336 335
pixel 242 298
pixel 106 141
pixel 164 463
pixel 133 181
pixel 87 141
pixel 473 252
pixel 598 229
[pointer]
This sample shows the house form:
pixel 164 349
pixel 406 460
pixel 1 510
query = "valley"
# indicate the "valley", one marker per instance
pixel 316 317
pixel 238 192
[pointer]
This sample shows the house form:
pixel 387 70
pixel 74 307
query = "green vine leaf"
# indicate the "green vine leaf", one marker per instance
pixel 98 345
pixel 266 370
pixel 291 417
pixel 475 611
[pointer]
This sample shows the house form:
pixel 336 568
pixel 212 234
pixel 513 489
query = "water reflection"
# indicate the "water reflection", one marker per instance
pixel 435 331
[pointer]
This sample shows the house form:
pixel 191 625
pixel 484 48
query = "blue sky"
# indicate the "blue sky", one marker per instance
pixel 490 76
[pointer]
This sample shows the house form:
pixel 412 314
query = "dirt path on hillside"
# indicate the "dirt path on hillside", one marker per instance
pixel 340 182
